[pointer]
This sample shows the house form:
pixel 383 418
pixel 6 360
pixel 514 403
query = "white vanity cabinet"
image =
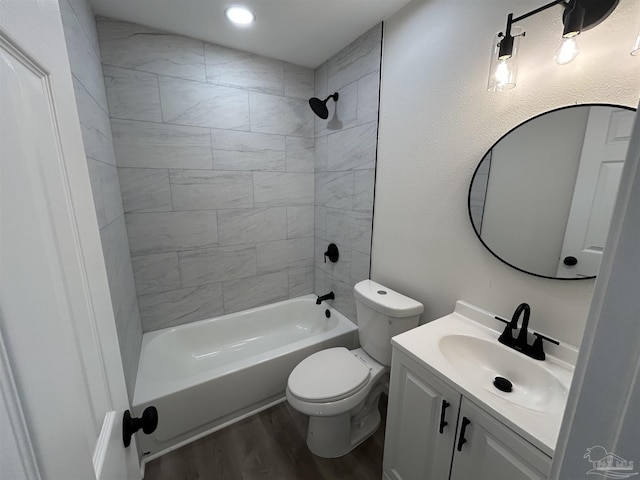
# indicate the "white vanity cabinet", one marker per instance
pixel 428 439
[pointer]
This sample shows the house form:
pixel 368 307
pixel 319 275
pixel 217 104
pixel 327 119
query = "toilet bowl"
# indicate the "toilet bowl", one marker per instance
pixel 339 389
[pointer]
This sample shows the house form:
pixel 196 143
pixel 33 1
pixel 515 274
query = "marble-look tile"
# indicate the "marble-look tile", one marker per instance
pixel 282 189
pixel 320 83
pixel 132 95
pixel 199 267
pixel 106 191
pixel 281 115
pixel 360 263
pixel 354 148
pixel 318 281
pixel 255 291
pixel 145 189
pixel 322 153
pixel 363 187
pixel 283 254
pixel 300 154
pixel 320 222
pixel 83 59
pixel 334 189
pixel 176 307
pixel 86 19
pixel 154 145
pixel 142 48
pixel 235 68
pixel 352 229
pixel 300 221
pixel 95 127
pixel 298 81
pixel 300 282
pixel 242 226
pixel 344 302
pixel 171 231
pixel 129 329
pixel 247 151
pixel 203 104
pixel 208 189
pixel 342 114
pixel 355 60
pixel 368 96
pixel 156 273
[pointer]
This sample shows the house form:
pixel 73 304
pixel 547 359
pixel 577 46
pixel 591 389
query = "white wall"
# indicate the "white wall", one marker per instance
pixel 436 122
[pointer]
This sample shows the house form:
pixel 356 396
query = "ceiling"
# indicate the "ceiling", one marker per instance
pixel 304 32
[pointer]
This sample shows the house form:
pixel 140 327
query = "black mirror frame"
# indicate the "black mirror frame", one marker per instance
pixel 491 148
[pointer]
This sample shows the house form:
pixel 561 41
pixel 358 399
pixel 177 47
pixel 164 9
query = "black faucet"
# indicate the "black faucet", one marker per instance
pixel 328 296
pixel 521 344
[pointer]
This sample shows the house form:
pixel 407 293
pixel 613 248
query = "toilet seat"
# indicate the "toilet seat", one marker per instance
pixel 328 376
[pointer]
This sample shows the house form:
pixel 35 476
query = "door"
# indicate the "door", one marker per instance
pixel 62 390
pixel 603 153
pixel 421 423
pixel 490 451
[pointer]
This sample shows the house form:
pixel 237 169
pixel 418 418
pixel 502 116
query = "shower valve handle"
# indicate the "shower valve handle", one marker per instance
pixel 332 253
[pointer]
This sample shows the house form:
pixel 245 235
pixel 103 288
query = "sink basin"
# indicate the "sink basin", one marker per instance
pixel 480 361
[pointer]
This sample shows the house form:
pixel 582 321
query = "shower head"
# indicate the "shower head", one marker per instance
pixel 319 107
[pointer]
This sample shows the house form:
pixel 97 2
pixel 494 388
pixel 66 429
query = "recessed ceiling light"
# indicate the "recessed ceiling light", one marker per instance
pixel 240 15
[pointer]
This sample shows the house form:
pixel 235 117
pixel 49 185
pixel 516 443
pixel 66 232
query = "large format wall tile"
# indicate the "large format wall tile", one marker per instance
pixel 142 48
pixel 235 68
pixel 171 231
pixel 161 310
pixel 282 189
pixel 335 189
pixel 204 105
pixel 300 221
pixel 155 273
pixel 202 189
pixel 300 282
pixel 244 226
pixel 298 81
pixel 154 145
pixel 106 191
pixel 368 98
pixel 255 291
pixel 280 115
pixel 354 148
pixel 132 95
pixel 300 154
pixel 145 189
pixel 342 114
pixel 280 254
pixel 212 265
pixel 247 151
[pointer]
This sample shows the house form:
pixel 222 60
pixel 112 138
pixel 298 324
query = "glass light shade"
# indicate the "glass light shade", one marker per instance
pixel 240 15
pixel 503 73
pixel 567 51
pixel 636 47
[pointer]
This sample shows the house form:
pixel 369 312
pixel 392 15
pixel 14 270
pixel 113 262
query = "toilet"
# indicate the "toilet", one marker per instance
pixel 338 388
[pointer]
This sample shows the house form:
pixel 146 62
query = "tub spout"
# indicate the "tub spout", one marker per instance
pixel 328 296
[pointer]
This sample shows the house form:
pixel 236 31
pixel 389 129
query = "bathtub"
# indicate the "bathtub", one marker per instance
pixel 208 374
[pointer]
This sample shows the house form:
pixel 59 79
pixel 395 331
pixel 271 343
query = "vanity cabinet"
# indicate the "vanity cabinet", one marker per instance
pixel 435 433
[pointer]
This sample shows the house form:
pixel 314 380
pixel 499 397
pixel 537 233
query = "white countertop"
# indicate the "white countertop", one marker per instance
pixel 539 425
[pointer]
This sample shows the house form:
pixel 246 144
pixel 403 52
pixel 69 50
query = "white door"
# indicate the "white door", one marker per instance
pixel 603 153
pixel 490 451
pixel 62 390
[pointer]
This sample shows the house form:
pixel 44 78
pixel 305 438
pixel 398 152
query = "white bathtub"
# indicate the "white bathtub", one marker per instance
pixel 205 375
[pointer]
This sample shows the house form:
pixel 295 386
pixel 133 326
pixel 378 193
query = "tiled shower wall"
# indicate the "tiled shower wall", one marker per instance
pixel 215 155
pixel 84 57
pixel 345 161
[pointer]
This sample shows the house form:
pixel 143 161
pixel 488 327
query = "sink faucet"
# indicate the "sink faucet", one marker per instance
pixel 328 296
pixel 521 344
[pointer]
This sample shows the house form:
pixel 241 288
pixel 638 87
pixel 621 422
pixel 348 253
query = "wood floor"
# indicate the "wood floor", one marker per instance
pixel 270 445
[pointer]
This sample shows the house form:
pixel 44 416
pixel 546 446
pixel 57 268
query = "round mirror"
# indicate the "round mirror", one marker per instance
pixel 542 197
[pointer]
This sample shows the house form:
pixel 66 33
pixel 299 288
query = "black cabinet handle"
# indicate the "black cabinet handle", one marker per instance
pixel 463 429
pixel 443 424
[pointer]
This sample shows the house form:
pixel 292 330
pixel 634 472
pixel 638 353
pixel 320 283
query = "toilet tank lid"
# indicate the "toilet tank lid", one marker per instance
pixel 386 301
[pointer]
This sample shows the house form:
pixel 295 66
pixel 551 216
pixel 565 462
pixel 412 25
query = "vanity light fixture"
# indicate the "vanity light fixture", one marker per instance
pixel 578 16
pixel 239 15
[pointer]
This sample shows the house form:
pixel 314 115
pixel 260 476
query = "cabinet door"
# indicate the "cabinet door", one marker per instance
pixel 416 447
pixel 492 451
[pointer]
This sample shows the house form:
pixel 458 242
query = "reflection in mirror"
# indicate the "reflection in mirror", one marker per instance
pixel 542 197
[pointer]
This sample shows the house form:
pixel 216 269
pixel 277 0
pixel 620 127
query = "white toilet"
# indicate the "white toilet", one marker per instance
pixel 338 388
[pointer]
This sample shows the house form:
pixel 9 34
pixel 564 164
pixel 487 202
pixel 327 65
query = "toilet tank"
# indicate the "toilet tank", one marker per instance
pixel 381 314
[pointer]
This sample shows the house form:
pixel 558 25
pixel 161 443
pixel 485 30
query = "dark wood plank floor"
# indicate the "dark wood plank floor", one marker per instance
pixel 270 445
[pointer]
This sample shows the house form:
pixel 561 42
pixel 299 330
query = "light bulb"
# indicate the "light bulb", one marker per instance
pixel 567 51
pixel 240 15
